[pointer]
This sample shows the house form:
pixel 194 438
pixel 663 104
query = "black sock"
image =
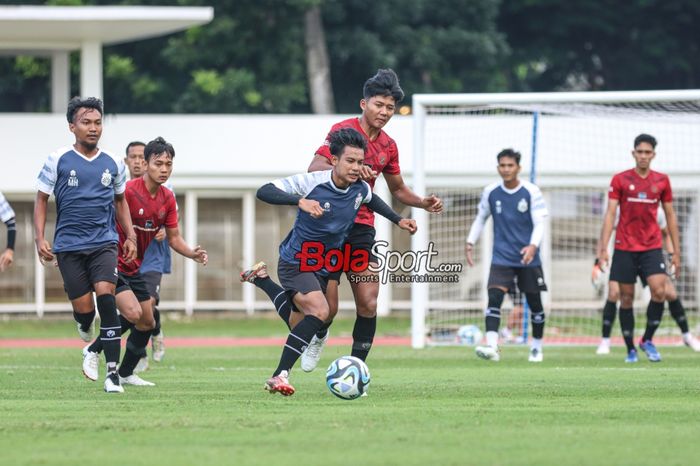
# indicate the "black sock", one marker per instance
pixel 609 311
pixel 277 296
pixel 655 310
pixel 678 314
pixel 537 319
pixel 85 320
pixel 96 346
pixel 297 341
pixel 323 331
pixel 135 350
pixel 493 319
pixel 110 330
pixel 627 327
pixel 156 317
pixel 363 336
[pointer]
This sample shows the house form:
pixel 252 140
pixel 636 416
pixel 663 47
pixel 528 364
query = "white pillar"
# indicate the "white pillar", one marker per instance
pixel 60 81
pixel 383 228
pixel 190 266
pixel 91 69
pixel 249 247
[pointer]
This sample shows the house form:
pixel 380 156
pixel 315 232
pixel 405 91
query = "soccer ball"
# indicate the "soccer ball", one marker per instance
pixel 469 335
pixel 347 377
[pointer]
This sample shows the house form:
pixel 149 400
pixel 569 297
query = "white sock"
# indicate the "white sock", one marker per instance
pixel 687 336
pixel 605 341
pixel 537 344
pixel 492 339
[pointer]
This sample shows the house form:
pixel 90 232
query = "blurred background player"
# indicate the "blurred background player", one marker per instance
pixel 638 242
pixel 89 187
pixel 157 259
pixel 518 211
pixel 670 291
pixel 328 203
pixel 7 216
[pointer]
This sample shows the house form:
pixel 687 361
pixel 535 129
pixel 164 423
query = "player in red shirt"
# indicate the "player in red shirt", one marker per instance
pixel 638 241
pixel 152 207
pixel 381 94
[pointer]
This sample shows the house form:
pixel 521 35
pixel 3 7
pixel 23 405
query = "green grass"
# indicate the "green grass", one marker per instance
pixel 434 406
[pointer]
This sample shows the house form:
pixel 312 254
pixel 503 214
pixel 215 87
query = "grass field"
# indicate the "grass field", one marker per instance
pixel 434 406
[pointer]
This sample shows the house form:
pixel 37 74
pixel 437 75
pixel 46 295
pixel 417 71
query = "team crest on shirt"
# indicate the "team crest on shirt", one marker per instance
pixel 73 179
pixel 358 201
pixel 326 206
pixel 106 178
pixel 161 214
pixel 140 211
pixel 654 189
pixel 522 205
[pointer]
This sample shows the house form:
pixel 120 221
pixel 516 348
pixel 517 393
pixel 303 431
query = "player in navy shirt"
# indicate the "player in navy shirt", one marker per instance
pixel 518 212
pixel 328 204
pixel 89 188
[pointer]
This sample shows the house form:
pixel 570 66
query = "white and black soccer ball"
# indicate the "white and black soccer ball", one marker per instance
pixel 469 335
pixel 347 377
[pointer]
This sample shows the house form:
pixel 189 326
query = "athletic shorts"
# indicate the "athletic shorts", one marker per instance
pixel 293 281
pixel 152 280
pixel 626 265
pixel 82 269
pixel 135 283
pixel 360 238
pixel 529 279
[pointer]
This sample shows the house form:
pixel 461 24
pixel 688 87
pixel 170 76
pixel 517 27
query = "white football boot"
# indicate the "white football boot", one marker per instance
pixel 310 357
pixel 489 353
pixel 91 362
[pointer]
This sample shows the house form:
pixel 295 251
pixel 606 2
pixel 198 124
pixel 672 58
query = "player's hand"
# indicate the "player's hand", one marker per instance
pixel 408 224
pixel 6 259
pixel 200 255
pixel 43 248
pixel 160 236
pixel 603 259
pixel 676 265
pixel 311 207
pixel 528 253
pixel 469 252
pixel 432 204
pixel 130 250
pixel 366 173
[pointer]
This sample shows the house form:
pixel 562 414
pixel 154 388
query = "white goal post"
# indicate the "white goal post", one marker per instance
pixel 571 144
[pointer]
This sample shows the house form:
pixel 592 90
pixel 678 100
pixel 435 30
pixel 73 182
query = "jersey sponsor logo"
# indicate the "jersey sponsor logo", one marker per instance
pixel 73 179
pixel 499 208
pixel 358 201
pixel 642 195
pixel 149 224
pixel 106 179
pixel 522 205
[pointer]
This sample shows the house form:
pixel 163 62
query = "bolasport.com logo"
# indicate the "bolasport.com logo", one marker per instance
pixel 390 266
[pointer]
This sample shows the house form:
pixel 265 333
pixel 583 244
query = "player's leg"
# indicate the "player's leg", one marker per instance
pixel 138 297
pixel 678 314
pixel 152 281
pixel 312 355
pixel 500 279
pixel 609 313
pixel 623 270
pixel 258 276
pixel 652 268
pixel 76 283
pixel 531 282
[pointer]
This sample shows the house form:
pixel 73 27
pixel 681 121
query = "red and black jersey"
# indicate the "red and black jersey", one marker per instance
pixel 639 198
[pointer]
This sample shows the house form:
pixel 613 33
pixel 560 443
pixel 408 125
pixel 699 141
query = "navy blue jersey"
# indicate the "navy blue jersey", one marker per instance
pixel 84 189
pixel 518 221
pixel 340 208
pixel 158 257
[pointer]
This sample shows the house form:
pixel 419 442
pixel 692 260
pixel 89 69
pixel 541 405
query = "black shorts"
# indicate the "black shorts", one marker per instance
pixel 360 238
pixel 135 283
pixel 627 265
pixel 152 280
pixel 529 279
pixel 82 269
pixel 293 281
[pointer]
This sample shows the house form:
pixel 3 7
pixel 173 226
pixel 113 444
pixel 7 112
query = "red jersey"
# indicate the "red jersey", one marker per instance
pixel 382 155
pixel 638 229
pixel 148 215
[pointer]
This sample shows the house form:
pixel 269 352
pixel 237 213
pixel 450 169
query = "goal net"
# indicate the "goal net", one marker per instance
pixel 571 144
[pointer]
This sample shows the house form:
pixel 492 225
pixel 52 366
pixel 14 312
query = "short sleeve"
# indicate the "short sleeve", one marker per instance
pixel 302 184
pixel 6 212
pixel 171 216
pixel 46 181
pixel 614 191
pixel 393 167
pixel 120 180
pixel 368 193
pixel 667 193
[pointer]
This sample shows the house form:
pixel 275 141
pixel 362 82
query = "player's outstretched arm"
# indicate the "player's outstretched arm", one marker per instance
pixel 178 244
pixel 404 194
pixel 43 248
pixel 121 207
pixel 273 195
pixel 381 207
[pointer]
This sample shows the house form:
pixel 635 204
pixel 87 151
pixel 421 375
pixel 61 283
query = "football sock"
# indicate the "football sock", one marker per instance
pixel 609 311
pixel 277 296
pixel 655 310
pixel 678 314
pixel 85 320
pixel 493 311
pixel 135 350
pixel 110 330
pixel 297 341
pixel 156 317
pixel 363 336
pixel 627 327
pixel 96 346
pixel 323 331
pixel 537 316
pixel 492 339
pixel 537 344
